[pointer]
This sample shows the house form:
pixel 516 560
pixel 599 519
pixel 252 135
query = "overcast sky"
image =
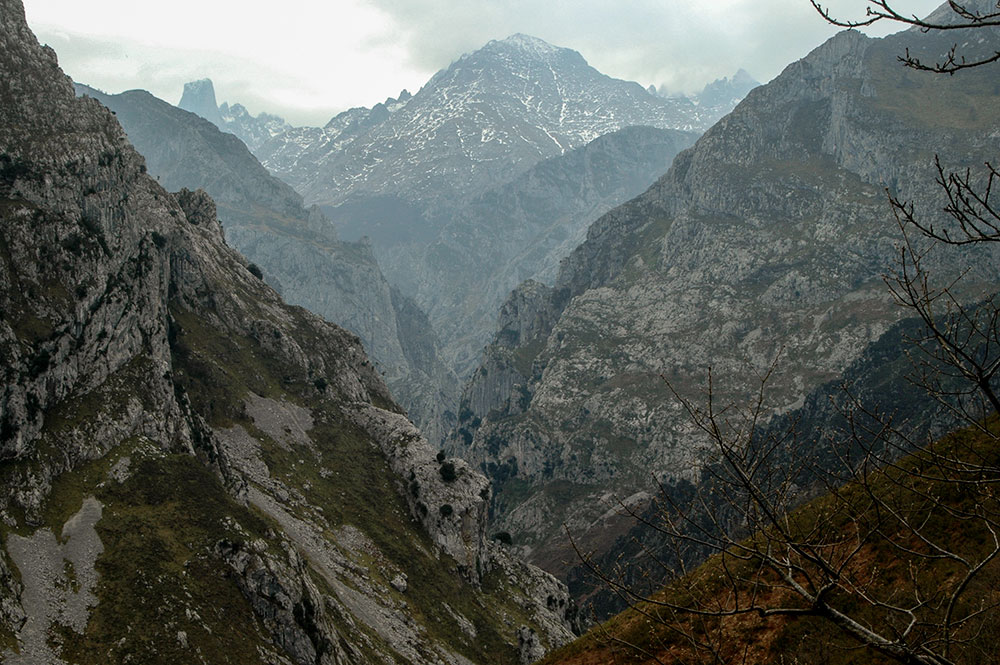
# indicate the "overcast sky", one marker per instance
pixel 308 59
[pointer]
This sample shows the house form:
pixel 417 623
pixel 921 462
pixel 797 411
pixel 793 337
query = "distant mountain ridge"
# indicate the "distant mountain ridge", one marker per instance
pixel 469 185
pixel 483 119
pixel 726 93
pixel 254 130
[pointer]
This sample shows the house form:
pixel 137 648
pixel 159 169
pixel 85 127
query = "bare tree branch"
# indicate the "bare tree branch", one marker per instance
pixel 962 17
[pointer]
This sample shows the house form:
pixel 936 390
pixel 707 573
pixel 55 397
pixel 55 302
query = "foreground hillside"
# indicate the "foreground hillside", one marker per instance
pixel 192 470
pixel 767 239
pixel 920 564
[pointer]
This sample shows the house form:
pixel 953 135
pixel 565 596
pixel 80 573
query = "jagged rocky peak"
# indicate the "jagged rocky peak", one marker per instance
pixel 199 98
pixel 743 78
pixel 360 118
pixel 722 94
pixel 239 113
pixel 728 90
pixel 395 103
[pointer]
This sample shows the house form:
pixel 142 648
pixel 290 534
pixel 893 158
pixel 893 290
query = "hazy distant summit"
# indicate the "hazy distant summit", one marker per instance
pixel 488 116
pixel 533 46
pixel 199 98
pixel 253 130
pixel 554 97
pixel 727 91
pixel 718 97
pixel 483 119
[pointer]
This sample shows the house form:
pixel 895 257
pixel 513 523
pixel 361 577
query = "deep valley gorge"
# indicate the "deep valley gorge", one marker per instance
pixel 469 376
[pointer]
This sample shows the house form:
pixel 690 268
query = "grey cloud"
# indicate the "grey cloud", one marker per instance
pixel 681 45
pixel 116 66
pixel 677 43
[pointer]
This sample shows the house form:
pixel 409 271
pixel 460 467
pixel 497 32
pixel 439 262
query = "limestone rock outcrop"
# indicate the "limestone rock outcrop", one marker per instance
pixel 296 248
pixel 242 453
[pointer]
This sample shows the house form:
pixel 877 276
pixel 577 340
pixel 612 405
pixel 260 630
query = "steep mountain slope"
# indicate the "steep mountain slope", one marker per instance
pixel 892 566
pixel 769 236
pixel 296 248
pixel 183 150
pixel 193 470
pixel 522 229
pixel 883 378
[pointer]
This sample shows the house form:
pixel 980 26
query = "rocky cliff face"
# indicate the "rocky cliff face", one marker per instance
pixel 227 474
pixel 296 248
pixel 883 379
pixel 767 239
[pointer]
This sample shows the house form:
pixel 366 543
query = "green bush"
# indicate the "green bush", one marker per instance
pixel 504 537
pixel 448 472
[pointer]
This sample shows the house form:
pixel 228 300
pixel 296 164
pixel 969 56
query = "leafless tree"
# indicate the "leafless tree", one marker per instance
pixel 963 16
pixel 901 555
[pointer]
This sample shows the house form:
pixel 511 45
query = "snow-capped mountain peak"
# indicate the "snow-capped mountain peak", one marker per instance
pixel 534 46
pixel 487 117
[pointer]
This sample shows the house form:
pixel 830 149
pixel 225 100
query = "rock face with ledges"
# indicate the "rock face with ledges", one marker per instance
pixel 235 465
pixel 767 239
pixel 297 248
